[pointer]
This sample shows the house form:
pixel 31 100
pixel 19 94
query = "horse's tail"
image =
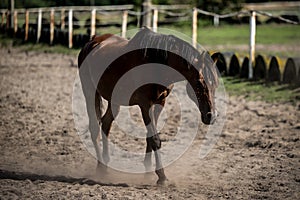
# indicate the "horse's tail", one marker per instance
pixel 90 45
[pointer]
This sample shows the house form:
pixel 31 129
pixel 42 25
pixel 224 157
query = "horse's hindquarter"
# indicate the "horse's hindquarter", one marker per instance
pixel 100 58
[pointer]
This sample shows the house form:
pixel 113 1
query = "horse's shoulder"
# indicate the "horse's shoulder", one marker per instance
pixel 115 39
pixel 111 45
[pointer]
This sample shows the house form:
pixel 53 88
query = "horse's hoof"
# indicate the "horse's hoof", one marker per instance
pixel 101 167
pixel 148 169
pixel 105 158
pixel 101 170
pixel 162 181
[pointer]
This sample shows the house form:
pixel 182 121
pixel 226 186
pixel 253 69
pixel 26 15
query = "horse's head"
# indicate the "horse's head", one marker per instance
pixel 201 89
pixel 203 97
pixel 197 67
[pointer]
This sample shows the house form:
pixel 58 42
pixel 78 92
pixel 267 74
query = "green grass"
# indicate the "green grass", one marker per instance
pixel 262 91
pixel 50 49
pixel 239 34
pixel 41 47
pixel 278 34
pixel 230 37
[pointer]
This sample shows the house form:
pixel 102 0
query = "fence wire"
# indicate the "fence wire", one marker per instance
pixel 245 13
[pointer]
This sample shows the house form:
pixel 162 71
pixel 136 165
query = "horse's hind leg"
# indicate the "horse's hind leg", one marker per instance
pixel 93 122
pixel 107 119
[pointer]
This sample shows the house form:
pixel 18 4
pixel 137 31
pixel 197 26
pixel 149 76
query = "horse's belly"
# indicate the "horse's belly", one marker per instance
pixel 121 94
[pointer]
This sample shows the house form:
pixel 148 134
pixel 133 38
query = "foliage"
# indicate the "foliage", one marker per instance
pixel 46 3
pixel 220 6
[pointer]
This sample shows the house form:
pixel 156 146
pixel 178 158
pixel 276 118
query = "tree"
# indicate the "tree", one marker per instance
pixel 220 6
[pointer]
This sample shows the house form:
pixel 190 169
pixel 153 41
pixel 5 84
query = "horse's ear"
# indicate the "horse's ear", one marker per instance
pixel 93 37
pixel 165 93
pixel 145 28
pixel 215 56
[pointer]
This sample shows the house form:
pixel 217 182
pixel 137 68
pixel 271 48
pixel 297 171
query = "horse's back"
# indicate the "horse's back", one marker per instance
pixel 99 43
pixel 89 46
pixel 113 45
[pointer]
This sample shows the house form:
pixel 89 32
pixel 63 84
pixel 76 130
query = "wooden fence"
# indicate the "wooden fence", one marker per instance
pixel 62 10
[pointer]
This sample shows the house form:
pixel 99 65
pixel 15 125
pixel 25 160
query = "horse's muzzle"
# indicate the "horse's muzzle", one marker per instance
pixel 209 118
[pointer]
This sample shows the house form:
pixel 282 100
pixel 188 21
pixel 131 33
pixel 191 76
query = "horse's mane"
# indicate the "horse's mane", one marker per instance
pixel 148 39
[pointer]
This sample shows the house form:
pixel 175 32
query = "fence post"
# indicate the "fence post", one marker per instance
pixel 62 19
pixel 70 28
pixel 155 18
pixel 51 26
pixel 93 22
pixel 15 22
pixel 26 25
pixel 7 15
pixel 252 43
pixel 216 20
pixel 147 5
pixel 194 36
pixel 2 19
pixel 11 6
pixel 39 26
pixel 124 23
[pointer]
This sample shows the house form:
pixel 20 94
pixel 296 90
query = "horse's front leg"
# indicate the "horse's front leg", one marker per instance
pixel 153 141
pixel 148 156
pixel 157 110
pixel 107 119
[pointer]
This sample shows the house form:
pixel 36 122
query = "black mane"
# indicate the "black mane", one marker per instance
pixel 146 39
pixel 149 39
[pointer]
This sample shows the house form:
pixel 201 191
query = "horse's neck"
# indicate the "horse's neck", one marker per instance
pixel 186 70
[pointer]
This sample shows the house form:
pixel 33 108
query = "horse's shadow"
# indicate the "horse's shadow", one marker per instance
pixel 107 174
pixel 102 176
pixel 5 174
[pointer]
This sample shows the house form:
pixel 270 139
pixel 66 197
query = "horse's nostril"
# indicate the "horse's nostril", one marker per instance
pixel 209 115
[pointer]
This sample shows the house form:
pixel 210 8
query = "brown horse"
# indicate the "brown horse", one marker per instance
pixel 103 62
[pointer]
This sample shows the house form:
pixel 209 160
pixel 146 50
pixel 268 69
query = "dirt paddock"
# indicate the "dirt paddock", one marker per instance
pixel 42 157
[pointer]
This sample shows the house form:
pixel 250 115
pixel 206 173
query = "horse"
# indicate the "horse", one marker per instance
pixel 107 58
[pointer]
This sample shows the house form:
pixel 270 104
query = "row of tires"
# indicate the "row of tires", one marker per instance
pixel 269 68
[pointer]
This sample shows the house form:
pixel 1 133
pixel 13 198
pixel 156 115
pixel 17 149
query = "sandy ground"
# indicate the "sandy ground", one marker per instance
pixel 42 157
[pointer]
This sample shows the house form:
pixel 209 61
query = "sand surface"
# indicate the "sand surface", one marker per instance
pixel 257 155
